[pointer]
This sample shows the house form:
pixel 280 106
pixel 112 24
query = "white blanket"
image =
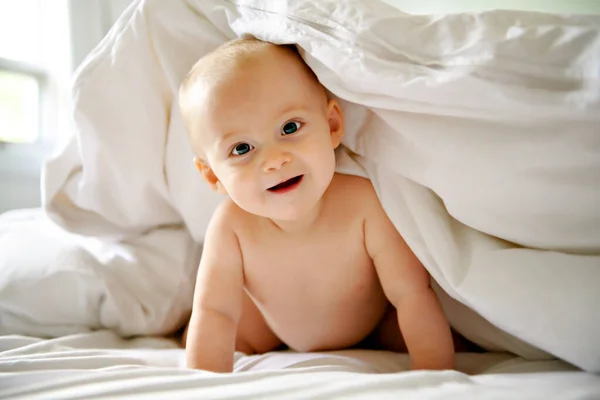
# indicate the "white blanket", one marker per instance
pixel 480 132
pixel 102 365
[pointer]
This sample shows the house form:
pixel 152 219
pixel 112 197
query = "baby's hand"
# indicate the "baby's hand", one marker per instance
pixel 406 284
pixel 217 299
pixel 211 341
pixel 426 331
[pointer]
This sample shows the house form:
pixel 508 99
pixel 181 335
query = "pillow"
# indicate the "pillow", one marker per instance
pixel 54 283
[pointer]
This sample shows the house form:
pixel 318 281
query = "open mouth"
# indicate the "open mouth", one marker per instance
pixel 287 186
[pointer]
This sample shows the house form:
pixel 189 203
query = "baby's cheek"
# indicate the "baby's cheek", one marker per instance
pixel 246 191
pixel 239 179
pixel 323 162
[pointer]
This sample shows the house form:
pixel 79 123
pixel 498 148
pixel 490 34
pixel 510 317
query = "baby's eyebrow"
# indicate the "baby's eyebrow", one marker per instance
pixel 225 137
pixel 288 108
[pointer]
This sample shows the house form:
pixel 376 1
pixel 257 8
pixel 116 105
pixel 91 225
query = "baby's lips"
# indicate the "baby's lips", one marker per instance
pixel 286 183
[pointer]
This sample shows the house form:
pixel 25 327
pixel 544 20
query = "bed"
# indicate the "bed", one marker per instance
pixel 478 130
pixel 103 365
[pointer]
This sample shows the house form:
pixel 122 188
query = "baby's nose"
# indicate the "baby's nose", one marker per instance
pixel 275 160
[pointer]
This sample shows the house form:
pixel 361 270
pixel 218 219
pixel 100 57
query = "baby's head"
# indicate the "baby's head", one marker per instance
pixel 261 127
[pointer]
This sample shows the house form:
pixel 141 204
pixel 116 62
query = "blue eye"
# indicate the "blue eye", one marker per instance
pixel 290 127
pixel 241 149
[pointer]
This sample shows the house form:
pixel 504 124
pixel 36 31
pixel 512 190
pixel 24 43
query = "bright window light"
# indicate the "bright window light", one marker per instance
pixel 34 71
pixel 19 107
pixel 20 41
pixel 20 22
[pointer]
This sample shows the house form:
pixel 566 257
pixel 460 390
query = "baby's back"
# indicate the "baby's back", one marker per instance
pixel 317 288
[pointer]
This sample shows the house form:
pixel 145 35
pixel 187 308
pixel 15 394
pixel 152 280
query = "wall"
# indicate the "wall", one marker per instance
pixel 454 6
pixel 19 182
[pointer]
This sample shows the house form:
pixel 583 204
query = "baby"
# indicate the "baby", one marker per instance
pixel 298 254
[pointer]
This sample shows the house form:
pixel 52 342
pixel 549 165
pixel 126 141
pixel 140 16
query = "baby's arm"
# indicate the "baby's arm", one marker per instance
pixel 406 284
pixel 217 299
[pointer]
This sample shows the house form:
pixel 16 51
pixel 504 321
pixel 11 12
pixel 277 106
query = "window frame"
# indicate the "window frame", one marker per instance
pixel 42 78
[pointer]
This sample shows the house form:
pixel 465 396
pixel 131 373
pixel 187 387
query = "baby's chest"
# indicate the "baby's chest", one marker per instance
pixel 317 266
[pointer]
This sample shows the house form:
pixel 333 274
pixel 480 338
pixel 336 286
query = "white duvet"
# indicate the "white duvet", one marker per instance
pixel 481 133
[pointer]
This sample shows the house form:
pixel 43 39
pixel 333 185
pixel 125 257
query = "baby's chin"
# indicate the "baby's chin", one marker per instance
pixel 289 214
pixel 283 213
pixel 293 207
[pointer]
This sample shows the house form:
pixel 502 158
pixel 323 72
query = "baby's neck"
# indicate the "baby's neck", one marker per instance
pixel 302 224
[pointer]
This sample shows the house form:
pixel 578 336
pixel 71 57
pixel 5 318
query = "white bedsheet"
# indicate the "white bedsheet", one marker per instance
pixel 102 365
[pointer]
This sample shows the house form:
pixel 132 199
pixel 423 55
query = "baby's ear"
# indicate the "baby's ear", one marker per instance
pixel 336 122
pixel 209 175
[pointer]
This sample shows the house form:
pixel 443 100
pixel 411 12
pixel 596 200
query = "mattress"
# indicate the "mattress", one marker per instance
pixel 103 365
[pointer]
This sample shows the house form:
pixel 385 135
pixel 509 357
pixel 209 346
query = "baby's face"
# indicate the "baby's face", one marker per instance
pixel 268 134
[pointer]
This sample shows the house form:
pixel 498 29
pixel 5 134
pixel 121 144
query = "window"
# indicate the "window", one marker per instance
pixel 19 107
pixel 40 43
pixel 20 79
pixel 34 69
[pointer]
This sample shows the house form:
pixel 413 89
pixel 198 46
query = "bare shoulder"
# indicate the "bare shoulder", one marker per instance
pixel 222 239
pixel 352 183
pixel 356 190
pixel 228 217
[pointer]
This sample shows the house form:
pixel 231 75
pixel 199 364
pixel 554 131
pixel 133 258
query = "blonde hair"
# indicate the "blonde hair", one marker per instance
pixel 220 63
pixel 221 60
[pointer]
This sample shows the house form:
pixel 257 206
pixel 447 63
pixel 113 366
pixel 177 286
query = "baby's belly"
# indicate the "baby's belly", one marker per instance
pixel 338 318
